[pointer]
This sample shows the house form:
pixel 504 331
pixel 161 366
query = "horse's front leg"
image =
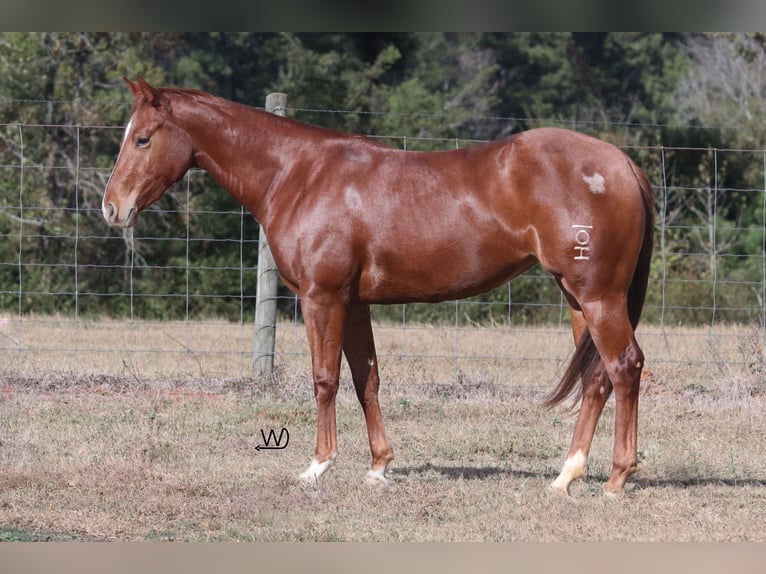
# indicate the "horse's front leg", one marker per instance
pixel 324 316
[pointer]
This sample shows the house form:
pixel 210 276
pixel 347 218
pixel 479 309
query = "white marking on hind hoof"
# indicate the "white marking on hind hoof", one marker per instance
pixel 316 469
pixel 377 478
pixel 574 468
pixel 558 488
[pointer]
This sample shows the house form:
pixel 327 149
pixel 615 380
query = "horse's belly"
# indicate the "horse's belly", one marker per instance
pixel 433 278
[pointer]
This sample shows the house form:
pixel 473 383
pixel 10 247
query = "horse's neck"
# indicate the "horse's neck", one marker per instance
pixel 242 149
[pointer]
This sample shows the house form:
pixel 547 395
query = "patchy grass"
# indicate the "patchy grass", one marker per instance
pixel 142 465
pixel 149 432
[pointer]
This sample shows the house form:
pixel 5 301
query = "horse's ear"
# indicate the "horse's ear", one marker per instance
pixel 141 88
pixel 135 90
pixel 151 94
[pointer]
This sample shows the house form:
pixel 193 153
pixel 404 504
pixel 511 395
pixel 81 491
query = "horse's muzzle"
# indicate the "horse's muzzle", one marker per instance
pixel 112 215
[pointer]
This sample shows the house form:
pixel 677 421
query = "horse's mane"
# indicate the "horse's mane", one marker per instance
pixel 196 95
pixel 199 97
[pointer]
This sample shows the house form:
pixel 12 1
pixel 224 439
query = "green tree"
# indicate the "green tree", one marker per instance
pixel 448 90
pixel 56 86
pixel 587 77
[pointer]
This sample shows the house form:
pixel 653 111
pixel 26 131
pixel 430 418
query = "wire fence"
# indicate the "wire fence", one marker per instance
pixel 177 319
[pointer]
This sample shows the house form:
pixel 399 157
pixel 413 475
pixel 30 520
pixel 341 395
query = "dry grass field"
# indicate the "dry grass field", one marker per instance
pixel 126 440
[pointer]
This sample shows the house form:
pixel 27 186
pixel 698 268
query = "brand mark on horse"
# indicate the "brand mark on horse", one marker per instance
pixel 582 238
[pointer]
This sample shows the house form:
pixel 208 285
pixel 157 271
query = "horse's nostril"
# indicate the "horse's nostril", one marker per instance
pixel 112 210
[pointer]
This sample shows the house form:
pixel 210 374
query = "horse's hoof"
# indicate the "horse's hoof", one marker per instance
pixel 377 478
pixel 558 489
pixel 613 494
pixel 315 470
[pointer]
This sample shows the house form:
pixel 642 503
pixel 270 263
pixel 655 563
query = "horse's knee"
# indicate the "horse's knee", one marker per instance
pixel 325 388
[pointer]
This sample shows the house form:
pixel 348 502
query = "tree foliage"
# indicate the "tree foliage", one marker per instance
pixel 62 102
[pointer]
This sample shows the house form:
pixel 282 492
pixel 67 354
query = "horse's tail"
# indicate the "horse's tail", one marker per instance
pixel 586 357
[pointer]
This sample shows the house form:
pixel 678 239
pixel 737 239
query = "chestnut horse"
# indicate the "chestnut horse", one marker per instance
pixel 352 222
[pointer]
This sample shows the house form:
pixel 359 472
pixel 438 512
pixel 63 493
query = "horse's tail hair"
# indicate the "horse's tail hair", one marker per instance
pixel 637 290
pixel 586 358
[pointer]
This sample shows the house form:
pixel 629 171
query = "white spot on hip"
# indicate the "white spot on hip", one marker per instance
pixel 595 182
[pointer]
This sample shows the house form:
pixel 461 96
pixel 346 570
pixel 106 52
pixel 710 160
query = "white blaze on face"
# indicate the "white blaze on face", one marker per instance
pixel 125 138
pixel 595 182
pixel 122 147
pixel 127 130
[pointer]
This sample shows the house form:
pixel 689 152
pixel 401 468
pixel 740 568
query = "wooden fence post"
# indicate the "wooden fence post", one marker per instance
pixel 268 279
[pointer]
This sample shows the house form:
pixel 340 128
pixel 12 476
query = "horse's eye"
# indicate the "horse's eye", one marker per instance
pixel 141 141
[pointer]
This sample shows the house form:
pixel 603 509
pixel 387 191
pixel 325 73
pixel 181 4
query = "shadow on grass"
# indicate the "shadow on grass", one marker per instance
pixel 469 472
pixel 643 483
pixel 691 482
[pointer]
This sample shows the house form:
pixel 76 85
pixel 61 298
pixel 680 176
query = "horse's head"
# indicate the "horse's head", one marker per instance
pixel 155 153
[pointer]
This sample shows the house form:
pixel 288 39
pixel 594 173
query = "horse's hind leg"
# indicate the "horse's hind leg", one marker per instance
pixel 623 359
pixel 359 348
pixel 596 391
